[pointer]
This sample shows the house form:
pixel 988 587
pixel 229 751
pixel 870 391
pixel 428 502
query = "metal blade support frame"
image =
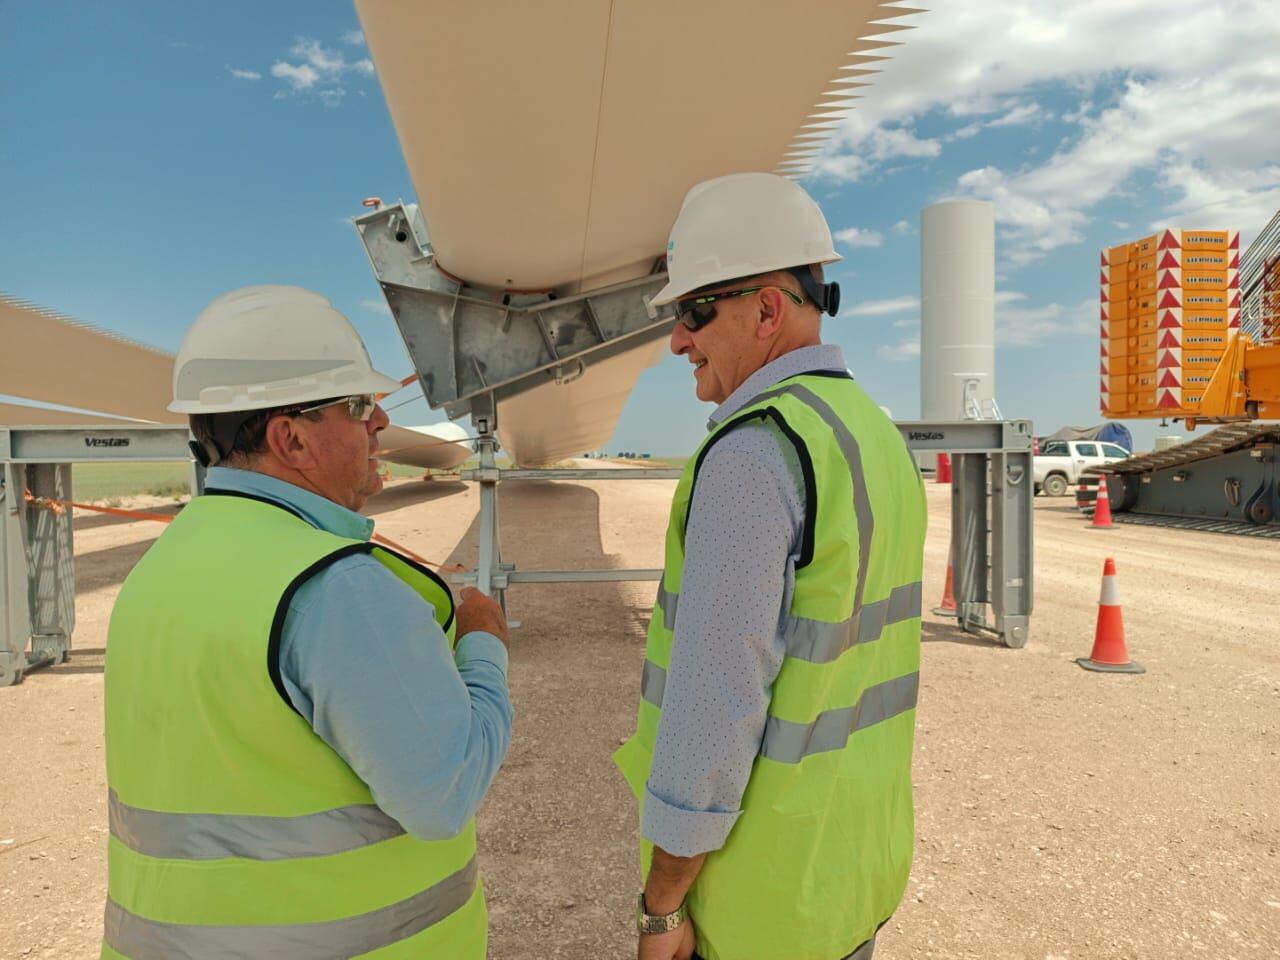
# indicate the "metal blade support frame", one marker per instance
pixel 37 565
pixel 468 343
pixel 991 520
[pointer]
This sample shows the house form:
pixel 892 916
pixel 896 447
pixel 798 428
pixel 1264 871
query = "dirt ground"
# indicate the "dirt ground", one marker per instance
pixel 1060 813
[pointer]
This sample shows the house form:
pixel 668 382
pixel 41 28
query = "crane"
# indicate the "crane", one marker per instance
pixel 1191 332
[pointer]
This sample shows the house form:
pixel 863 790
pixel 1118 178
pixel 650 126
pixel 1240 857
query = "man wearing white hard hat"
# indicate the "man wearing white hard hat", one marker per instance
pixel 772 753
pixel 296 746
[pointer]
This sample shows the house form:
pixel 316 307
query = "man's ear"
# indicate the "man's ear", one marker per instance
pixel 290 443
pixel 771 311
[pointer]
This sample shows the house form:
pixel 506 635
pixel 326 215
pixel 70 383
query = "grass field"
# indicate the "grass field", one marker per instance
pixel 112 481
pixel 92 482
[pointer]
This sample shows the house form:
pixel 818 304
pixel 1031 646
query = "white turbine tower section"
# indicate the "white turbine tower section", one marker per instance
pixel 957 310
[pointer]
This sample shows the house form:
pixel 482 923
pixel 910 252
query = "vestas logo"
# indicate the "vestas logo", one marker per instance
pixel 106 441
pixel 671 247
pixel 926 435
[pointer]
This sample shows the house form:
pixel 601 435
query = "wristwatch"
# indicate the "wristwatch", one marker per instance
pixel 659 923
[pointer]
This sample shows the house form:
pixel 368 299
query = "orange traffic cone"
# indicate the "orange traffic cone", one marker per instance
pixel 1102 506
pixel 948 606
pixel 943 473
pixel 1109 653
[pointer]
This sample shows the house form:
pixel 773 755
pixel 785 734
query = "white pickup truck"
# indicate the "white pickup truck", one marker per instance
pixel 1059 463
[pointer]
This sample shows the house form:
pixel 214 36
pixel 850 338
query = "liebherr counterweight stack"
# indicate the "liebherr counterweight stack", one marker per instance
pixel 1190 327
pixel 1191 331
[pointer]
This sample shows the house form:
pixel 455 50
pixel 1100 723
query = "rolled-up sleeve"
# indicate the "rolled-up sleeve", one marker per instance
pixel 425 727
pixel 744 524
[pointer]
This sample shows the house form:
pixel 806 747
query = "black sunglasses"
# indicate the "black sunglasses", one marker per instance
pixel 694 313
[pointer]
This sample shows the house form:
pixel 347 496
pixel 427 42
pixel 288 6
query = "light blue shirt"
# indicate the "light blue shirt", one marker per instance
pixel 746 526
pixel 365 663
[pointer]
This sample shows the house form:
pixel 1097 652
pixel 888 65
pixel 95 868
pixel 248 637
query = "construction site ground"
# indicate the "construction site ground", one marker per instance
pixel 1060 813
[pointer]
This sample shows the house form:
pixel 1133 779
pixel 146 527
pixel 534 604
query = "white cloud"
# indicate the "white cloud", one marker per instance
pixel 857 147
pixel 1019 113
pixel 300 77
pixel 878 308
pixel 318 71
pixel 903 350
pixel 857 237
pixel 1243 199
pixel 243 74
pixel 1025 326
pixel 1016 112
pixel 1186 92
pixel 376 305
pixel 901 227
pixel 331 96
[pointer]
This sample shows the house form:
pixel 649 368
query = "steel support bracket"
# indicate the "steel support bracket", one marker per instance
pixel 467 342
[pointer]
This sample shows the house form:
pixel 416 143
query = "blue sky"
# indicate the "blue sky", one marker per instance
pixel 155 155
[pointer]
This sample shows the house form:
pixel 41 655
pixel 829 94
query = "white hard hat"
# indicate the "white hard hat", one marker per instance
pixel 270 346
pixel 742 225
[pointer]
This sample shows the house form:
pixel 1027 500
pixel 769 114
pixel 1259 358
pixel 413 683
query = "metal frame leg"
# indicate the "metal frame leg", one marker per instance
pixel 1012 488
pixel 51 566
pixel 15 618
pixel 969 538
pixel 490 576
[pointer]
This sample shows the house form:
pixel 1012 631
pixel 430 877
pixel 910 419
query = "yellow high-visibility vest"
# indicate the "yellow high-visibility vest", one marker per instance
pixel 235 829
pixel 819 858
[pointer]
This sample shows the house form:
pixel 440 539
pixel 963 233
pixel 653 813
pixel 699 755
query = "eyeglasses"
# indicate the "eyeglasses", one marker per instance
pixel 695 313
pixel 360 407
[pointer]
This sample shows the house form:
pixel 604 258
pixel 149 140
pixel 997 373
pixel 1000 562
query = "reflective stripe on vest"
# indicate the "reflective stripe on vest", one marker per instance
pixel 818 641
pixel 142 939
pixel 788 742
pixel 212 836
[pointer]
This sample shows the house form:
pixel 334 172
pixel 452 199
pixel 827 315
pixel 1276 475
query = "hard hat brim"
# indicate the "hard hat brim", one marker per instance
pixel 373 382
pixel 674 291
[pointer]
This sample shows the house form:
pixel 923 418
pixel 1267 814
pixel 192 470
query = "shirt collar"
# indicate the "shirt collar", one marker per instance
pixel 315 509
pixel 822 356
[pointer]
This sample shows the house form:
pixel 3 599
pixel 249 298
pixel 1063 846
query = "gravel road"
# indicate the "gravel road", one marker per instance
pixel 1060 813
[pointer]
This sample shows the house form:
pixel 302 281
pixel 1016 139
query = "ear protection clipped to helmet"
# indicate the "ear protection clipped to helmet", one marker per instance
pixel 825 295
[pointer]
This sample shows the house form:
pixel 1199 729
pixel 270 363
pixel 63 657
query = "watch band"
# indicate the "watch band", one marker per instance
pixel 647 923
